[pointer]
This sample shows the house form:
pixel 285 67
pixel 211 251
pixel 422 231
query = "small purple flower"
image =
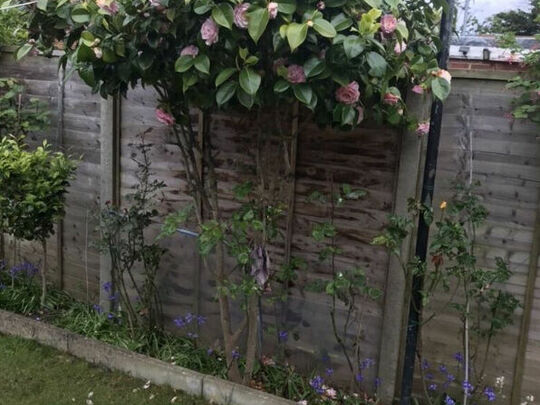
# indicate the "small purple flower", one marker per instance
pixel 110 315
pixel 467 387
pixel 189 317
pixel 235 354
pixel 179 322
pixel 201 320
pixel 432 387
pixel 429 376
pixel 367 363
pixel 283 335
pixel 443 369
pixel 490 394
pixel 107 287
pixel 317 384
pixel 97 308
pixel 450 377
pixel 425 364
pixel 114 297
pixel 459 357
pixel 449 401
pixel 377 382
pixel 209 352
pixel 329 371
pixel 359 377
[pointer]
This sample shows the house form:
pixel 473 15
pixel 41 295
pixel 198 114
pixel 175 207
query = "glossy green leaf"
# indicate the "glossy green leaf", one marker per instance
pixel 224 75
pixel 250 81
pixel 184 63
pixel 324 28
pixel 377 64
pixel 314 66
pixel 23 51
pixel 441 88
pixel 303 93
pixel 353 46
pixel 226 92
pixel 257 22
pixel 296 34
pixel 281 86
pixel 223 15
pixel 202 63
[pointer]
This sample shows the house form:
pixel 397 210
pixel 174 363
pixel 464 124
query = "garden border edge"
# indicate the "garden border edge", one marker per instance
pixel 211 388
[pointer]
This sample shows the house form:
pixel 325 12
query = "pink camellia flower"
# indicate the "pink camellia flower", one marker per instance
pixel 240 15
pixel 210 32
pixel 418 89
pixel 190 50
pixel 164 117
pixel 444 74
pixel 391 99
pixel 400 47
pixel 348 94
pixel 321 5
pixel 360 115
pixel 157 5
pixel 109 6
pixel 422 128
pixel 295 74
pixel 388 24
pixel 272 9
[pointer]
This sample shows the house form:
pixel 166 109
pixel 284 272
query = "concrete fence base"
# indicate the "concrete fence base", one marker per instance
pixel 137 365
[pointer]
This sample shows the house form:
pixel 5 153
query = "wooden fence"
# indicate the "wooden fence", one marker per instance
pixel 387 164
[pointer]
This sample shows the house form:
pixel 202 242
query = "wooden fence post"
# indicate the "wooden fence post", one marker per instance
pixel 407 186
pixel 59 144
pixel 519 365
pixel 110 179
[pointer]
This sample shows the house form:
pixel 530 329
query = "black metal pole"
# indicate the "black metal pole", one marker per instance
pixel 428 185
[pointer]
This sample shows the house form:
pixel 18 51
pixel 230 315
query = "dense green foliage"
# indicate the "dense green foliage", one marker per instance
pixel 206 54
pixel 13 23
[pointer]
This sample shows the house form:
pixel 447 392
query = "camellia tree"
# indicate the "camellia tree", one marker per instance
pixel 345 60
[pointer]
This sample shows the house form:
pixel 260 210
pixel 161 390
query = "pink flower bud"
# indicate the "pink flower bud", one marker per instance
pixel 210 32
pixel 272 9
pixel 348 94
pixel 109 6
pixel 400 47
pixel 295 74
pixel 240 15
pixel 164 117
pixel 321 6
pixel 418 89
pixel 190 50
pixel 388 24
pixel 391 99
pixel 422 128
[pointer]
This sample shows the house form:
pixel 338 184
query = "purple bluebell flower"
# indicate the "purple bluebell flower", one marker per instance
pixel 450 377
pixel 432 387
pixel 179 322
pixel 283 335
pixel 359 377
pixel 429 376
pixel 467 387
pixel 366 363
pixel 425 364
pixel 107 287
pixel 201 320
pixel 210 351
pixel 97 308
pixel 235 354
pixel 329 371
pixel 317 383
pixel 114 297
pixel 110 315
pixel 458 357
pixel 189 317
pixel 449 401
pixel 443 369
pixel 378 382
pixel 25 269
pixel 489 392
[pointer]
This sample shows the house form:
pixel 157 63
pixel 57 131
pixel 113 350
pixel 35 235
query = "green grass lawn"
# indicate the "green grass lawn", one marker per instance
pixel 39 375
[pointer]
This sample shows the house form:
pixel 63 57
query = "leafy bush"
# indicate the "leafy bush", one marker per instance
pixel 34 185
pixel 13 25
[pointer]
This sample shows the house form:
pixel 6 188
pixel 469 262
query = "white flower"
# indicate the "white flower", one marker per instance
pixel 152 396
pixel 147 385
pixel 89 402
pixel 530 398
pixel 173 400
pixel 302 402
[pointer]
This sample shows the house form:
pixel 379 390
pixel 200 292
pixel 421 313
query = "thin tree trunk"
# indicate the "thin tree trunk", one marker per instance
pixel 251 351
pixel 44 273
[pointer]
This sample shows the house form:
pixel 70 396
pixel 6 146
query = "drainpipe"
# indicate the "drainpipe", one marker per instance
pixel 428 185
